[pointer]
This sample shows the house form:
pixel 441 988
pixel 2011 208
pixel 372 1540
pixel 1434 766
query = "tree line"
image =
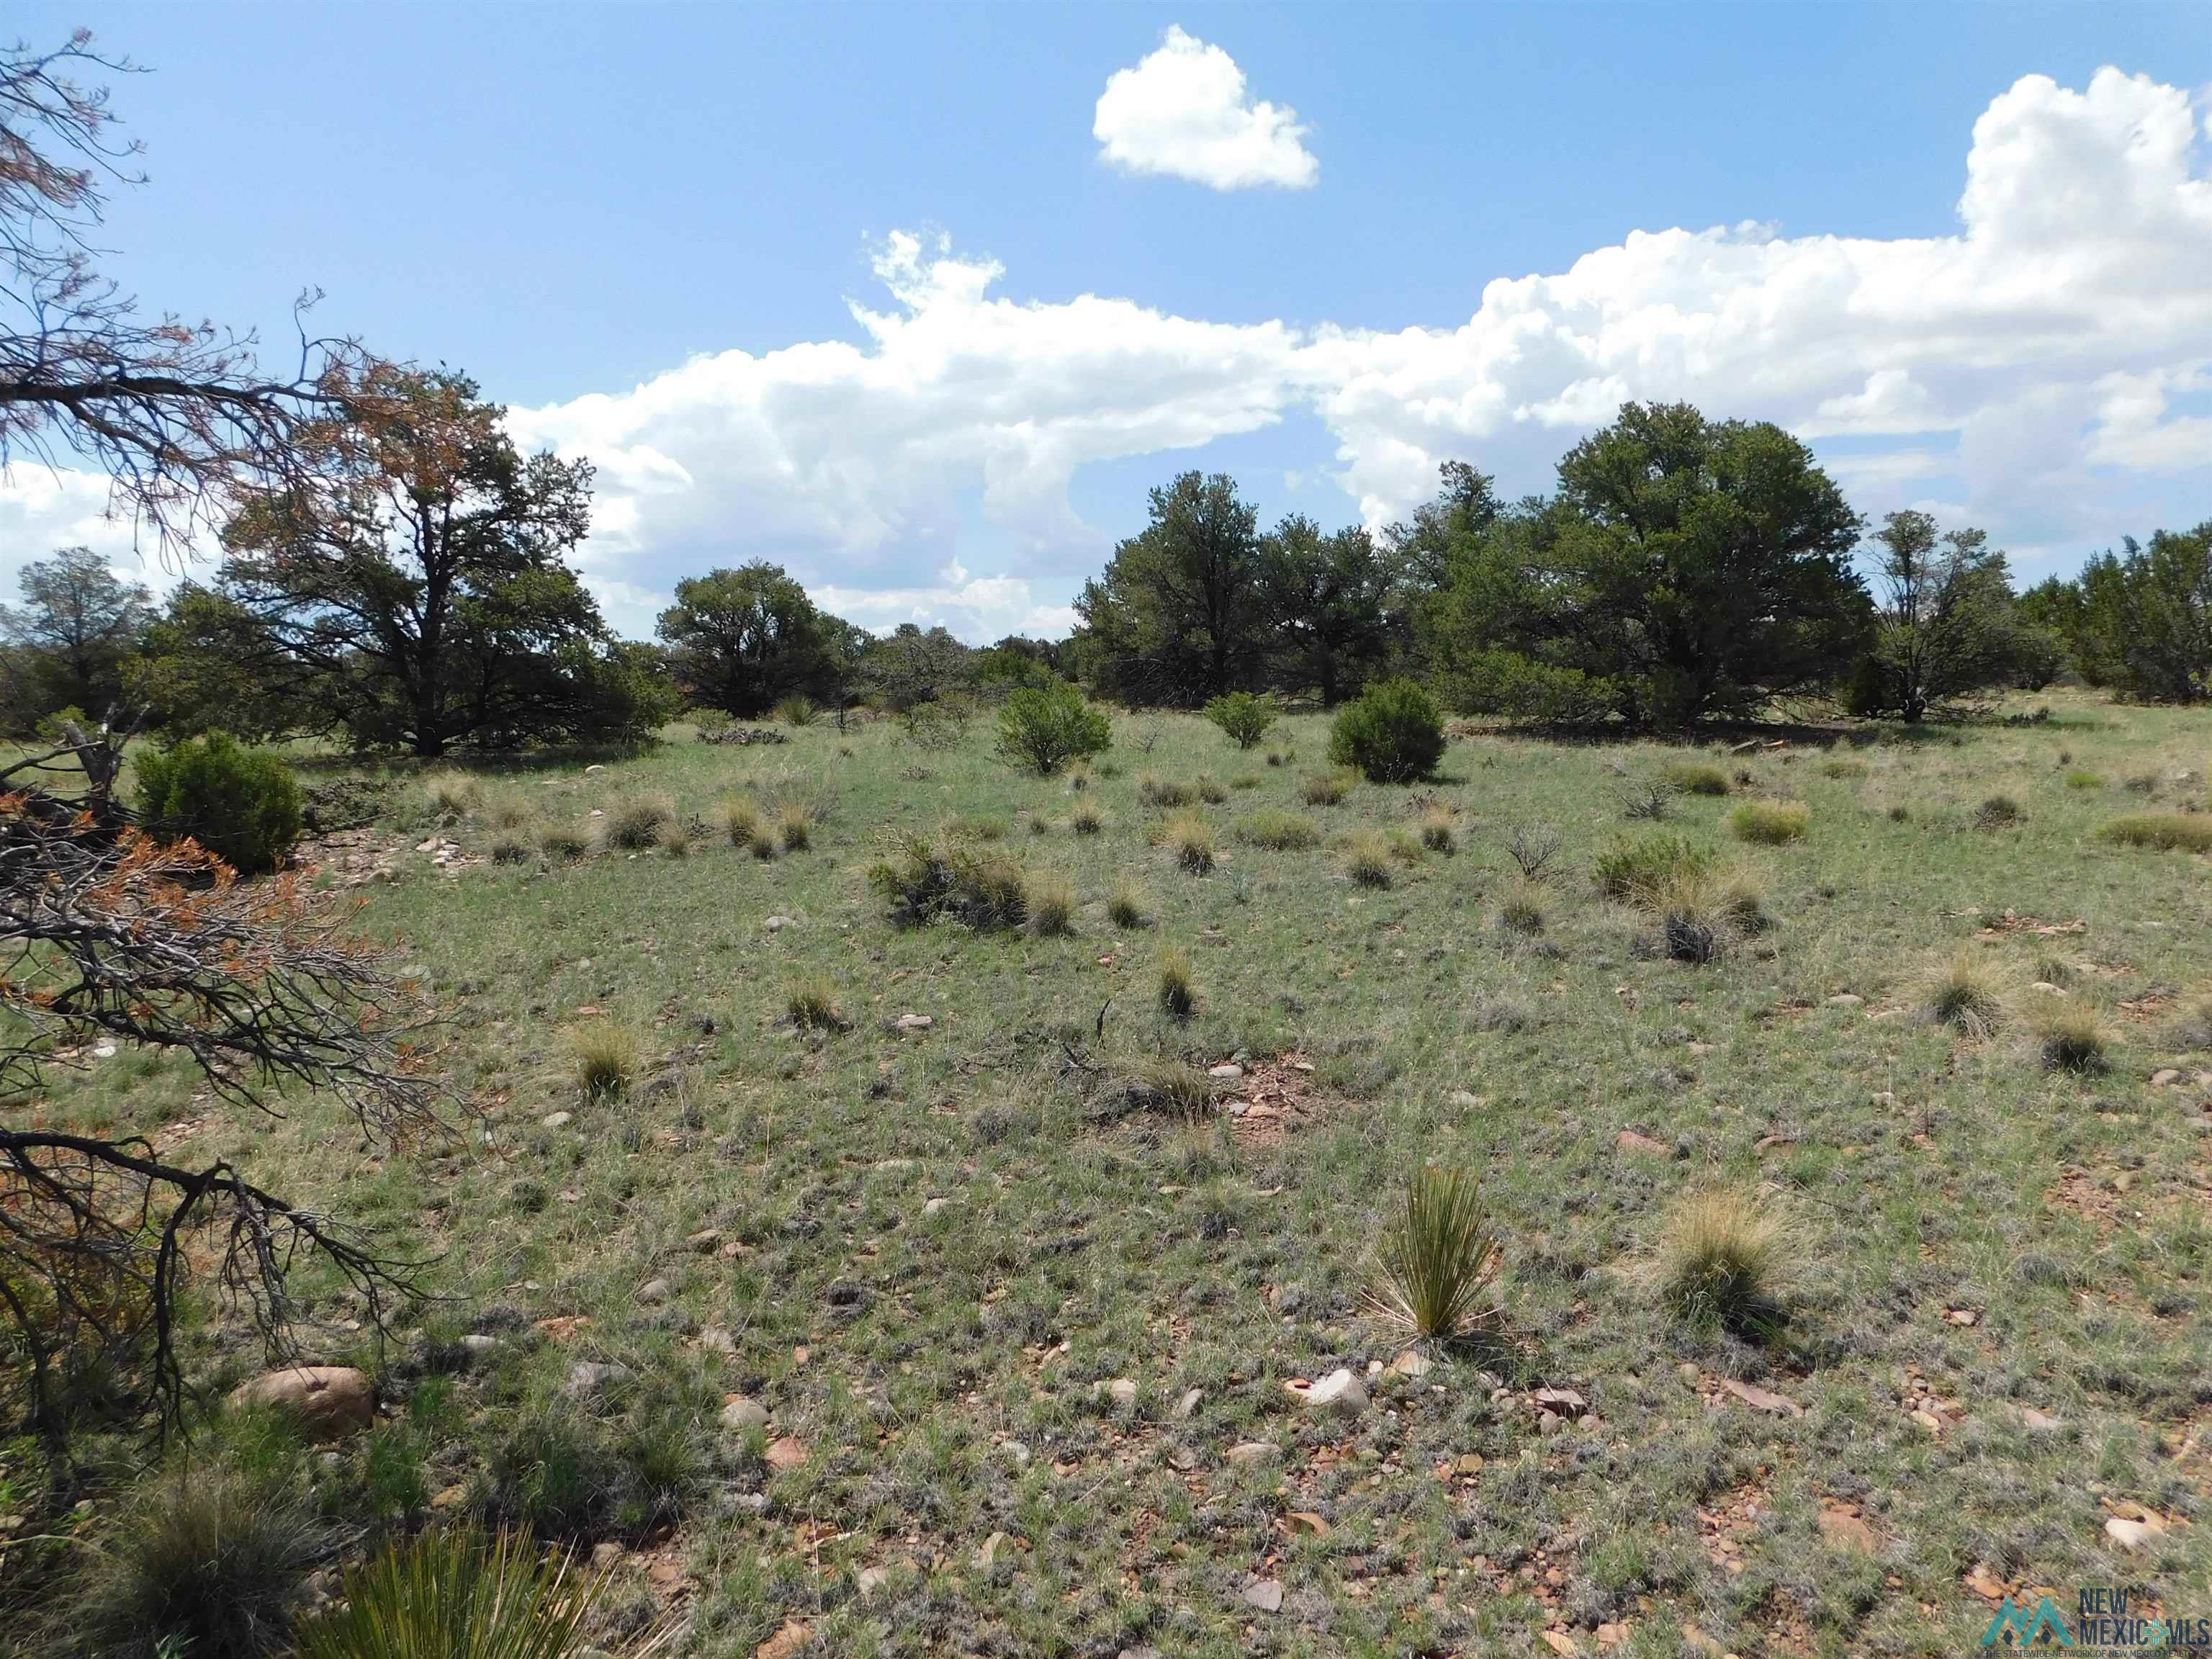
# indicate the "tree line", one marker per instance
pixel 408 585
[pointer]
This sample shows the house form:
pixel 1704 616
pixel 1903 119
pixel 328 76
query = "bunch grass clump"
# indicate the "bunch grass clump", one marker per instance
pixel 1178 990
pixel 1439 831
pixel 742 820
pixel 1718 1260
pixel 1211 791
pixel 1438 1258
pixel 2070 1036
pixel 1325 789
pixel 926 879
pixel 1051 900
pixel 1642 870
pixel 812 1005
pixel 1770 823
pixel 2083 780
pixel 457 1594
pixel 794 825
pixel 1281 831
pixel 1191 839
pixel 638 822
pixel 1967 994
pixel 797 710
pixel 2163 832
pixel 1084 820
pixel 1182 1091
pixel 1367 856
pixel 508 811
pixel 606 1060
pixel 1521 910
pixel 1997 812
pixel 1694 778
pixel 452 794
pixel 1125 905
pixel 1164 793
pixel 563 839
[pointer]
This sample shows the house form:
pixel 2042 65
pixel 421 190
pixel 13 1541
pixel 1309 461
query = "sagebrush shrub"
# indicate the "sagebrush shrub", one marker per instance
pixel 244 806
pixel 1324 788
pixel 1392 733
pixel 1243 717
pixel 1770 823
pixel 1284 832
pixel 2165 832
pixel 1178 991
pixel 1436 1257
pixel 1043 727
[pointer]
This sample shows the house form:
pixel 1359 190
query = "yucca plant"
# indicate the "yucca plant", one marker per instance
pixel 457 1594
pixel 1438 1257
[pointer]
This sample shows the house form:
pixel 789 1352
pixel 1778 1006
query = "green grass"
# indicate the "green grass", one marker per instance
pixel 1199 1247
pixel 1770 823
pixel 1438 1257
pixel 1694 778
pixel 1284 832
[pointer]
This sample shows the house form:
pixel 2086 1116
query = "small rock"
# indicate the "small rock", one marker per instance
pixel 717 1339
pixel 329 1401
pixel 589 770
pixel 1017 1453
pixel 790 1638
pixel 1845 1000
pixel 1763 1400
pixel 1227 1071
pixel 912 1023
pixel 478 1346
pixel 2133 1534
pixel 2165 1077
pixel 1959 1315
pixel 1548 1423
pixel 1845 1531
pixel 931 1206
pixel 2047 988
pixel 788 1453
pixel 2033 1421
pixel 870 1582
pixel 451 1498
pixel 1246 1454
pixel 1186 1408
pixel 777 924
pixel 741 1412
pixel 1339 1391
pixel 1642 1145
pixel 1464 1101
pixel 1688 1373
pixel 1267 1595
pixel 588 1378
pixel 1885 1098
pixel 705 1241
pixel 1411 1363
pixel 555 1120
pixel 653 1292
pixel 1120 1389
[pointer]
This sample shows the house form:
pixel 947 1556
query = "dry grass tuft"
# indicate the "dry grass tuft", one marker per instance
pixel 1770 823
pixel 742 821
pixel 1164 793
pixel 2163 832
pixel 812 1005
pixel 1284 832
pixel 1178 991
pixel 1191 839
pixel 1367 855
pixel 1325 789
pixel 1125 906
pixel 637 822
pixel 1051 901
pixel 606 1060
pixel 1718 1259
pixel 1967 994
pixel 1694 778
pixel 794 825
pixel 1439 830
pixel 453 794
pixel 2070 1036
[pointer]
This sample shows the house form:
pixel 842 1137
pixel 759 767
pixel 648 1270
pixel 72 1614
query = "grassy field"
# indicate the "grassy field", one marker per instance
pixel 1008 1295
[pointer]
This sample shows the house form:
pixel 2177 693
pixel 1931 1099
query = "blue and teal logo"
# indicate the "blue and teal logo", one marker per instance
pixel 2019 1628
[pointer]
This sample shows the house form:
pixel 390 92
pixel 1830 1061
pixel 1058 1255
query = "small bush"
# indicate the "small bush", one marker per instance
pixel 1191 839
pixel 1243 718
pixel 1392 733
pixel 1178 992
pixel 452 794
pixel 208 1560
pixel 563 839
pixel 1367 857
pixel 1284 832
pixel 1967 994
pixel 1694 778
pixel 2084 780
pixel 812 1005
pixel 1043 727
pixel 2164 832
pixel 1719 1254
pixel 2070 1036
pixel 606 1060
pixel 1770 824
pixel 1052 905
pixel 924 879
pixel 1646 802
pixel 975 827
pixel 1324 788
pixel 796 711
pixel 1644 870
pixel 242 805
pixel 794 826
pixel 1084 820
pixel 742 820
pixel 509 850
pixel 638 822
pixel 1439 833
pixel 1843 768
pixel 1438 1257
pixel 1997 812
pixel 453 1595
pixel 1125 906
pixel 1532 846
pixel 1164 793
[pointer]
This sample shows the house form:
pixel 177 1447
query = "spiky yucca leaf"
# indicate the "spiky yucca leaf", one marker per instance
pixel 1438 1257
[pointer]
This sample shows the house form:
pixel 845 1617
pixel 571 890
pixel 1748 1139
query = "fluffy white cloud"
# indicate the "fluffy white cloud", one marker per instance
pixel 1184 111
pixel 2045 371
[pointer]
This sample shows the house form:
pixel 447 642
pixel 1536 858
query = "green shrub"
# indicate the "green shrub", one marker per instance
pixel 2084 780
pixel 1285 832
pixel 2165 832
pixel 1392 733
pixel 1694 778
pixel 1043 727
pixel 455 1594
pixel 1438 1257
pixel 926 879
pixel 1641 871
pixel 242 805
pixel 1770 823
pixel 204 1560
pixel 1164 793
pixel 1719 1256
pixel 1243 718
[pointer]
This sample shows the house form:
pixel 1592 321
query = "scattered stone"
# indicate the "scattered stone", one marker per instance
pixel 1339 1391
pixel 705 1241
pixel 478 1347
pixel 1985 1583
pixel 777 924
pixel 1688 1373
pixel 1411 1363
pixel 931 1206
pixel 653 1292
pixel 1560 1643
pixel 741 1412
pixel 1959 1316
pixel 1564 1401
pixel 790 1637
pixel 2130 1535
pixel 1845 1000
pixel 909 1023
pixel 1464 1101
pixel 589 1378
pixel 1547 1424
pixel 2047 988
pixel 1845 1531
pixel 2033 1421
pixel 329 1401
pixel 717 1339
pixel 1643 1145
pixel 871 1582
pixel 1121 1390
pixel 1227 1071
pixel 555 1120
pixel 1885 1098
pixel 1186 1408
pixel 1245 1454
pixel 1017 1453
pixel 1766 1144
pixel 788 1453
pixel 1763 1400
pixel 2165 1077
pixel 1267 1595
pixel 451 1498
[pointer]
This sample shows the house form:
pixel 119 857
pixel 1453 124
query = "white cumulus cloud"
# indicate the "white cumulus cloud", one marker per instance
pixel 1184 111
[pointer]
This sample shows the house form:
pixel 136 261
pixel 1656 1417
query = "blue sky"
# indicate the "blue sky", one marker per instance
pixel 572 200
